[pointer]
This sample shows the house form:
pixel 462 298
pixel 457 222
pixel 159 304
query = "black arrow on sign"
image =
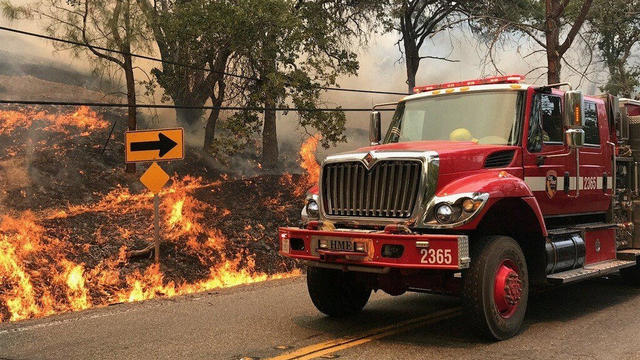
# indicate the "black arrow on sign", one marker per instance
pixel 164 145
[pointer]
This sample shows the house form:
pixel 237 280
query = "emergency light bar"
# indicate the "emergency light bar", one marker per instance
pixel 509 79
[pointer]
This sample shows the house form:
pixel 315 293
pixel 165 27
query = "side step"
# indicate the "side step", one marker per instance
pixel 590 271
pixel 629 254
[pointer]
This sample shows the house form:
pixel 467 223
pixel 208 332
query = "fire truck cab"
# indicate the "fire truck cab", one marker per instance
pixel 485 189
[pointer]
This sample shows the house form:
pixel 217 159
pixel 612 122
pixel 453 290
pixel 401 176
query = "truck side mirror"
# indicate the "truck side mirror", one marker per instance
pixel 375 128
pixel 574 138
pixel 573 109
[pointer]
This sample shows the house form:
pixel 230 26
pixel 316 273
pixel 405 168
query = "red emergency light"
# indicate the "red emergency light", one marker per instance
pixel 509 79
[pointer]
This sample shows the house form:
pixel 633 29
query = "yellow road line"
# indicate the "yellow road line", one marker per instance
pixel 327 347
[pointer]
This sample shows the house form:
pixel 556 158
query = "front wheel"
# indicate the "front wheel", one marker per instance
pixel 496 286
pixel 337 293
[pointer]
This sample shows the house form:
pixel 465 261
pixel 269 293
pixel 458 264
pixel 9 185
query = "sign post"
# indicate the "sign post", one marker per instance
pixel 156 228
pixel 152 146
pixel 154 179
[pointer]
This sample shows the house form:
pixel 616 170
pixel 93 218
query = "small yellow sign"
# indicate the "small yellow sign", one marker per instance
pixel 154 145
pixel 154 178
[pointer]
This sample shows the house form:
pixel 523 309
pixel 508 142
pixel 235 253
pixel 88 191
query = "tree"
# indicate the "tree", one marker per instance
pixel 615 25
pixel 543 22
pixel 297 47
pixel 191 37
pixel 417 21
pixel 110 24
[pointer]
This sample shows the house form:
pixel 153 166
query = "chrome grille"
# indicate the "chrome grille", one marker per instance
pixel 389 189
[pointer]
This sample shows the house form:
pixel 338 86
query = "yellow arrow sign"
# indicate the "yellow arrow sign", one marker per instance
pixel 154 178
pixel 154 145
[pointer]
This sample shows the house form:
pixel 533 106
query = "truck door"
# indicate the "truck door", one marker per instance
pixel 544 163
pixel 595 159
pixel 550 166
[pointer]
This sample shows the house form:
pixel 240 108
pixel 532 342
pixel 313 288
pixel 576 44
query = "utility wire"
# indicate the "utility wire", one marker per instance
pixel 161 106
pixel 76 43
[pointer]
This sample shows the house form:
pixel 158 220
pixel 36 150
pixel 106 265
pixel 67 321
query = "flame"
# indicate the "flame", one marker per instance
pixel 309 163
pixel 39 279
pixel 76 292
pixel 48 266
pixel 83 118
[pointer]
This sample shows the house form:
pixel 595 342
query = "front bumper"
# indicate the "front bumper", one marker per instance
pixel 430 251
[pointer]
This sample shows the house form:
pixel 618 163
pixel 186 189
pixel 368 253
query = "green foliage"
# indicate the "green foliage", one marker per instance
pixel 492 16
pixel 294 47
pixel 552 25
pixel 528 17
pixel 623 83
pixel 12 12
pixel 291 45
pixel 615 25
pixel 234 134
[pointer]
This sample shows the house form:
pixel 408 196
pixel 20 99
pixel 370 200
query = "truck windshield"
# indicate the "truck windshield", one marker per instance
pixel 489 117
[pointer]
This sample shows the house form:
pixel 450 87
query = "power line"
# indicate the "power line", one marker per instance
pixel 161 106
pixel 76 43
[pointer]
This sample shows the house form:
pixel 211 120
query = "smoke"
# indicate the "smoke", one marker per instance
pixel 382 68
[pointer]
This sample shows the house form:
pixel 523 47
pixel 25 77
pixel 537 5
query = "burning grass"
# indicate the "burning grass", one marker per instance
pixel 72 218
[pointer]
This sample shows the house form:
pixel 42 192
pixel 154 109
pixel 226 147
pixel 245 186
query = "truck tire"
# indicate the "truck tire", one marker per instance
pixel 631 275
pixel 336 293
pixel 496 287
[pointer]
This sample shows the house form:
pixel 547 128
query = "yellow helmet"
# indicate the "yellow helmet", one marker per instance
pixel 461 134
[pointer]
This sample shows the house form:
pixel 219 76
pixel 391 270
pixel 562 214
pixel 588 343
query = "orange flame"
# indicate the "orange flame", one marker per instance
pixel 83 118
pixel 308 161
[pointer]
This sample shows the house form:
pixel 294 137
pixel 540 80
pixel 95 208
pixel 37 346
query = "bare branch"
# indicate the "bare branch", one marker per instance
pixel 439 58
pixel 535 69
pixel 584 11
pixel 84 37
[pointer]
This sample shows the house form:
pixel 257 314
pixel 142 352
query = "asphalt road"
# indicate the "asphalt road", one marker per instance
pixel 598 319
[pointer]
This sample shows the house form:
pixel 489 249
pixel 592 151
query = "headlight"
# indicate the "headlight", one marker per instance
pixel 454 210
pixel 312 208
pixel 445 214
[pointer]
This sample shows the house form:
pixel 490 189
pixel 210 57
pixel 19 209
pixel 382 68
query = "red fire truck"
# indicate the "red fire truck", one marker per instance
pixel 485 189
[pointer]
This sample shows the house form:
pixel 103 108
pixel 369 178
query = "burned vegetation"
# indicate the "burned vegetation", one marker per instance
pixel 72 220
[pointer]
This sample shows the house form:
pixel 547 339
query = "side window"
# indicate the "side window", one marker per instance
pixel 413 125
pixel 551 118
pixel 534 141
pixel 591 131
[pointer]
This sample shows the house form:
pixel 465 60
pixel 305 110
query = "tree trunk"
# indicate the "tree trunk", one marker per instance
pixel 553 74
pixel 131 101
pixel 210 129
pixel 552 35
pixel 188 117
pixel 412 64
pixel 269 135
pixel 411 51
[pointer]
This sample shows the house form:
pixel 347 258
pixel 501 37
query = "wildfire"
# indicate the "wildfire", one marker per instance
pixel 78 256
pixel 39 280
pixel 308 161
pixel 83 118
